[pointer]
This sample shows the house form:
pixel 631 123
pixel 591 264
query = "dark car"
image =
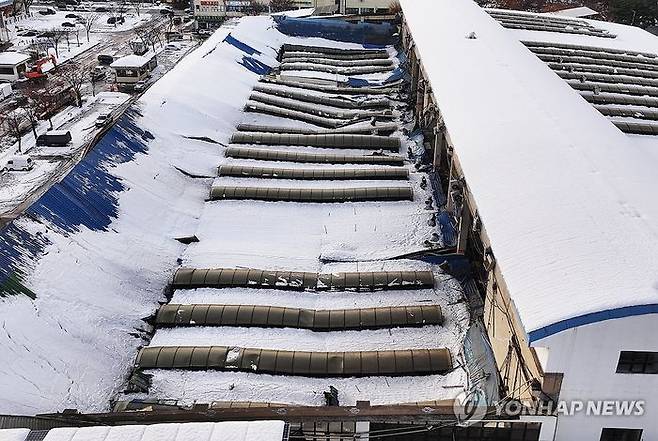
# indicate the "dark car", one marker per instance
pixel 68 24
pixel 101 9
pixel 47 11
pixel 116 20
pixel 73 16
pixel 55 138
pixel 28 33
pixel 105 59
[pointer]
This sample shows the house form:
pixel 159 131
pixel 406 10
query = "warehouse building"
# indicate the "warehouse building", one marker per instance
pixel 543 130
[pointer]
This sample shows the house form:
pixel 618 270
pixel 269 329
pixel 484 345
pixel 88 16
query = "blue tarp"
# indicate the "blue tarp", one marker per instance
pixel 370 35
pixel 87 196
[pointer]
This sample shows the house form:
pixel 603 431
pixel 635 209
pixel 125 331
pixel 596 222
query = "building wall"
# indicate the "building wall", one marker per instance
pixel 588 358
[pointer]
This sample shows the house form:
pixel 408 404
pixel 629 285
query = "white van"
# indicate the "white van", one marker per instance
pixel 19 163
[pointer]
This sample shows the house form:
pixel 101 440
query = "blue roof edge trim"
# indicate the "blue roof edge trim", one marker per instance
pixel 593 317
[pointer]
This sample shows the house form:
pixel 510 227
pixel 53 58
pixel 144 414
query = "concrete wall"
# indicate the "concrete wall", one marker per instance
pixel 588 358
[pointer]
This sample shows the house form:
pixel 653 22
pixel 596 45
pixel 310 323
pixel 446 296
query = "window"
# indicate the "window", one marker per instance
pixel 609 434
pixel 7 71
pixel 636 362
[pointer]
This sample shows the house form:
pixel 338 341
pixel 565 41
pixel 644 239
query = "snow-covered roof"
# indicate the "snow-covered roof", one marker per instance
pixel 582 11
pixel 566 198
pixel 131 61
pixel 224 431
pixel 12 58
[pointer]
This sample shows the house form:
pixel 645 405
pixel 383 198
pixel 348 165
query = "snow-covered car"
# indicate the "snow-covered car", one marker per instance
pixel 140 86
pixel 19 163
pixel 172 47
pixel 47 11
pixel 98 73
pixel 68 24
pixel 102 119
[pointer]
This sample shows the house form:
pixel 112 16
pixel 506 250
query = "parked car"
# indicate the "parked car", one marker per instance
pixel 28 33
pixel 204 33
pixel 140 86
pixel 166 10
pixel 47 11
pixel 102 119
pixel 101 9
pixel 68 24
pixel 173 36
pixel 116 20
pixel 73 16
pixel 177 20
pixel 187 10
pixel 19 163
pixel 105 59
pixel 172 47
pixel 54 138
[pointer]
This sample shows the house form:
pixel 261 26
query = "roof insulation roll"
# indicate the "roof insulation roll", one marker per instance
pixel 191 278
pixel 625 89
pixel 587 60
pixel 363 129
pixel 244 171
pixel 325 110
pixel 344 141
pixel 607 78
pixel 597 55
pixel 317 158
pixel 254 106
pixel 345 103
pixel 587 48
pixel 294 58
pixel 315 320
pixel 345 90
pixel 333 50
pixel 312 195
pixel 301 363
pixel 364 70
pixel 335 57
pixel 576 67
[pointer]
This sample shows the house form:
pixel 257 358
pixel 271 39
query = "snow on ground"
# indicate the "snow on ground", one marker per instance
pixel 17 186
pixel 566 198
pixel 224 431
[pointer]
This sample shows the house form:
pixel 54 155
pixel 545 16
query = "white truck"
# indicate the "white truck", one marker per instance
pixel 19 163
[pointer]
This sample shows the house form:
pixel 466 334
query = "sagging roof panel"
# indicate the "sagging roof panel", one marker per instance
pixel 363 129
pixel 280 317
pixel 346 103
pixel 318 158
pixel 243 171
pixel 190 278
pixel 312 195
pixel 345 141
pixel 298 363
pixel 334 50
pixel 382 90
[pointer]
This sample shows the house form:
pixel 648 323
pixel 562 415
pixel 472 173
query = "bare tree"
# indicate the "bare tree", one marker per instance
pixel 13 121
pixel 31 115
pixel 26 6
pixel 55 35
pixel 75 77
pixel 257 8
pixel 137 4
pixel 90 21
pixel 281 5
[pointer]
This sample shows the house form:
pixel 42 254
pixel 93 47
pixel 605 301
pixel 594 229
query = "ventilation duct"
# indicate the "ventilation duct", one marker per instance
pixel 315 320
pixel 344 141
pixel 318 158
pixel 243 171
pixel 312 195
pixel 308 364
pixel 190 278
